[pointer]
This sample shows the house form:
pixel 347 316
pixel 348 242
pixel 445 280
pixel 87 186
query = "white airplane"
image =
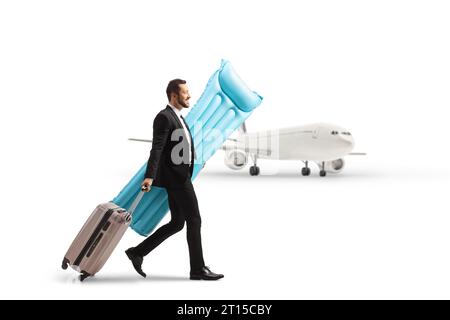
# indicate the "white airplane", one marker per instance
pixel 321 143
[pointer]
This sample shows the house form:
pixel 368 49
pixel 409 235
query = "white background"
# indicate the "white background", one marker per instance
pixel 79 78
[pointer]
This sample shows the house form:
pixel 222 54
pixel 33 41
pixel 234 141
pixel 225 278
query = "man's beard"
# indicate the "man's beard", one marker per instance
pixel 182 103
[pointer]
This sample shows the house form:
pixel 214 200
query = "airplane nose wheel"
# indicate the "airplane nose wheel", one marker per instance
pixel 305 170
pixel 254 170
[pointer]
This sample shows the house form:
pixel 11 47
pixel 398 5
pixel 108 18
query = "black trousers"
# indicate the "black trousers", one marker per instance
pixel 183 208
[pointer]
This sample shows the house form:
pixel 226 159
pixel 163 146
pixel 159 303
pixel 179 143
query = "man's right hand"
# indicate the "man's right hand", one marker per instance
pixel 147 185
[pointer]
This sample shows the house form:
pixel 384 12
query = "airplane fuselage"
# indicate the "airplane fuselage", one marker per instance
pixel 313 142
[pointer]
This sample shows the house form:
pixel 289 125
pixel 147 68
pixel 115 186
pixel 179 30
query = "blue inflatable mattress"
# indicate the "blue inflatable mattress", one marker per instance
pixel 224 105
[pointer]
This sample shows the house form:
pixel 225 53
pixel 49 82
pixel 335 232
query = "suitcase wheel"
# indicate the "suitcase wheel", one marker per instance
pixel 65 263
pixel 84 275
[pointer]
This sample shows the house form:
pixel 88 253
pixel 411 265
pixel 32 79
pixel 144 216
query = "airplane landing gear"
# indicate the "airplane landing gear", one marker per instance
pixel 323 173
pixel 254 169
pixel 305 170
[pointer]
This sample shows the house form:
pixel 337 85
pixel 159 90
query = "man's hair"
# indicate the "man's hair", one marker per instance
pixel 173 87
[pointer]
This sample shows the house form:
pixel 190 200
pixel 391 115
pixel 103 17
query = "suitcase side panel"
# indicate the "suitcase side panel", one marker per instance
pixel 86 231
pixel 105 242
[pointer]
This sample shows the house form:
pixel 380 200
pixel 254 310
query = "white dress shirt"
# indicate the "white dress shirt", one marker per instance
pixel 186 132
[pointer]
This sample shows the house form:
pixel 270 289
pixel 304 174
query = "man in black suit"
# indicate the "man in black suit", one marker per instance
pixel 170 165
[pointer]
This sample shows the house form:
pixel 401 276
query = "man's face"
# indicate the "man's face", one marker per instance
pixel 183 96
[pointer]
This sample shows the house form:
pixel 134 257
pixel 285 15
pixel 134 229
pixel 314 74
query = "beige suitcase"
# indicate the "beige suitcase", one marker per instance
pixel 98 238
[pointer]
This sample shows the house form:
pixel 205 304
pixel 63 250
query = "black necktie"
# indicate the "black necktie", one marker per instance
pixel 187 127
pixel 189 132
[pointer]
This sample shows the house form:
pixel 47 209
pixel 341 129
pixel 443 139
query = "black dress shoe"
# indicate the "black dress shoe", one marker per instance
pixel 136 260
pixel 205 274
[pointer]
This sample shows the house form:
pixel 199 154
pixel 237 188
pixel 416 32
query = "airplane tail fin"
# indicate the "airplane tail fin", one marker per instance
pixel 243 128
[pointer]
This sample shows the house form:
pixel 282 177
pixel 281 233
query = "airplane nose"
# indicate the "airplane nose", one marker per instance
pixel 348 140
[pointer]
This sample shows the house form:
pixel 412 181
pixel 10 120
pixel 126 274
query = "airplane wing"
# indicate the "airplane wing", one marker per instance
pixel 148 140
pixel 140 140
pixel 249 149
pixel 357 154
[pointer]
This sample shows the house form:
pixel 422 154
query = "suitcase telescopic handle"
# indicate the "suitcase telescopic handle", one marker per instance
pixel 136 201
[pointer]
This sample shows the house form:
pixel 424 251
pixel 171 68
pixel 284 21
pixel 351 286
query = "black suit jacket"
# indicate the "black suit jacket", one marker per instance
pixel 168 165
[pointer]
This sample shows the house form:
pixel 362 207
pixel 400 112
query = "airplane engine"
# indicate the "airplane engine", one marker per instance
pixel 235 159
pixel 334 166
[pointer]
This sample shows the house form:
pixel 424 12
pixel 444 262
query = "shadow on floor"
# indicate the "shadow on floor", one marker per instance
pixel 121 278
pixel 290 175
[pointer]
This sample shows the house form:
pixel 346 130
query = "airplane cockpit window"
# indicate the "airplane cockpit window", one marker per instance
pixel 334 132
